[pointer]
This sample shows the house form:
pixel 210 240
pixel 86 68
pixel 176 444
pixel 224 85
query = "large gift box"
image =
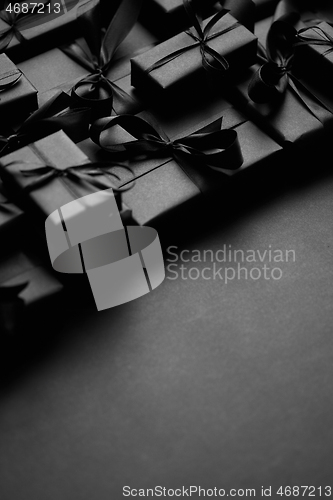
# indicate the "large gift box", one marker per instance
pixel 180 65
pixel 272 93
pixel 29 28
pixel 166 181
pixel 52 172
pixel 18 97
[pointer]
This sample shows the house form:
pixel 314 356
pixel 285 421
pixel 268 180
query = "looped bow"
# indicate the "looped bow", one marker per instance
pixel 212 61
pixel 52 116
pixel 15 22
pixel 96 90
pixel 85 174
pixel 325 39
pixel 218 150
pixel 271 79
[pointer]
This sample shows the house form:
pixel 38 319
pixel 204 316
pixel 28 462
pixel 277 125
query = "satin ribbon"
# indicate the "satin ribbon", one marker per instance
pixel 96 90
pixel 16 21
pixel 152 142
pixel 212 61
pixel 54 115
pixel 275 75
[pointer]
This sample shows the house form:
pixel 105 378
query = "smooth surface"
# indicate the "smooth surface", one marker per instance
pixel 197 383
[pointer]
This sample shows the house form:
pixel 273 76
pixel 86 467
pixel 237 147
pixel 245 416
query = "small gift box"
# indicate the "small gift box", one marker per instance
pixel 219 46
pixel 10 214
pixel 166 18
pixel 314 56
pixel 18 97
pixel 271 93
pixel 52 172
pixel 24 284
pixel 295 118
pixel 172 172
pixel 28 28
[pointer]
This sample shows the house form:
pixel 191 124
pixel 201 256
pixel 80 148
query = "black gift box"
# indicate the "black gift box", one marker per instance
pixel 289 119
pixel 185 73
pixel 55 151
pixel 162 186
pixel 42 30
pixel 17 95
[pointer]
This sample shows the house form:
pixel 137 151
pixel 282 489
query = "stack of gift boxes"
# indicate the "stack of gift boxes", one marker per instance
pixel 165 101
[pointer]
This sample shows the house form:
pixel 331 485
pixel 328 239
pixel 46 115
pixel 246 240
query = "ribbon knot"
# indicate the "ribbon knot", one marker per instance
pixel 96 55
pixel 217 150
pixel 325 39
pixel 272 78
pixel 212 61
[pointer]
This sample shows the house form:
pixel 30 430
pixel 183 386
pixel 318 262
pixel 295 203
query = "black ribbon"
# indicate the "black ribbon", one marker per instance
pixel 54 115
pixel 15 22
pixel 212 61
pixel 218 150
pixel 272 78
pixel 96 90
pixel 85 175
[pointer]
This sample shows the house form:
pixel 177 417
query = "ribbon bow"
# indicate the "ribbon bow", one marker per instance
pixel 54 115
pixel 85 174
pixel 15 21
pixel 211 60
pixel 272 78
pixel 325 40
pixel 96 90
pixel 217 150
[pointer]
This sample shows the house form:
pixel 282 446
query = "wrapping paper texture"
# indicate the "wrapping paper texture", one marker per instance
pixel 19 98
pixel 287 120
pixel 40 36
pixel 162 186
pixel 55 150
pixel 10 214
pixel 186 72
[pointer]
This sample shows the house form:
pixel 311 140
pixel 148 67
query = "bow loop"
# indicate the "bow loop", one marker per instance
pixel 219 150
pixel 270 81
pixel 96 90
